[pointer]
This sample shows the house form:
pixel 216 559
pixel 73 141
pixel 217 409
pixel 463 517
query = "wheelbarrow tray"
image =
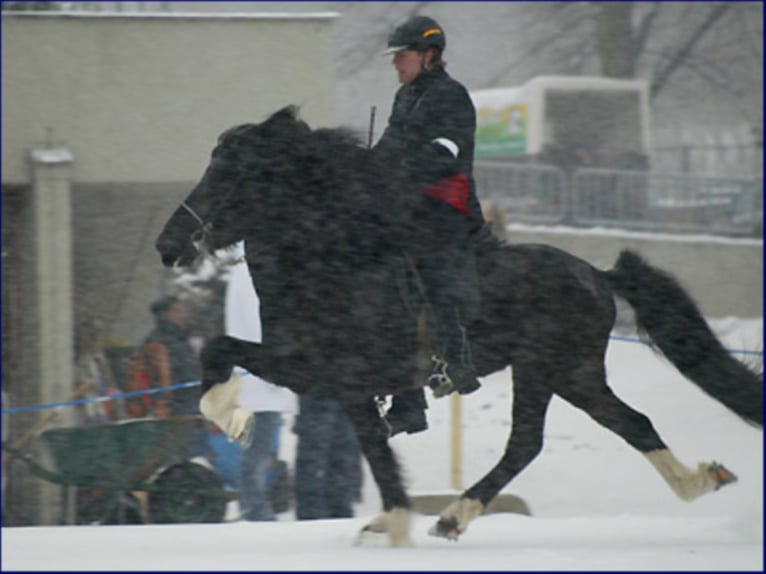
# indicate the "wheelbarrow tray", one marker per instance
pixel 122 455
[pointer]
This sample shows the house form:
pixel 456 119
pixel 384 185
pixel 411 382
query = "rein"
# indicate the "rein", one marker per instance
pixel 194 215
pixel 199 237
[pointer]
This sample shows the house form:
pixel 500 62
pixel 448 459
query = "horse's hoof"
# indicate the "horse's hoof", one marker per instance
pixel 721 475
pixel 446 528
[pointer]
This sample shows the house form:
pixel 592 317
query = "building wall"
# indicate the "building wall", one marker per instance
pixel 142 98
pixel 724 276
pixel 139 101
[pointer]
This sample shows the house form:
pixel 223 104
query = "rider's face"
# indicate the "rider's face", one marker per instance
pixel 408 64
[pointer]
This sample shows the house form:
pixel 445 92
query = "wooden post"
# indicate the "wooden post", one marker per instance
pixel 456 470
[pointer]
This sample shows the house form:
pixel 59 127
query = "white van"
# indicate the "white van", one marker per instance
pixel 571 120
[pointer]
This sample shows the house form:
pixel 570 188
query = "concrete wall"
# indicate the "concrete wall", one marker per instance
pixel 143 98
pixel 136 102
pixel 139 100
pixel 724 276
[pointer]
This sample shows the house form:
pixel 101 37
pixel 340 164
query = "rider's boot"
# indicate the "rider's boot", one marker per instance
pixel 456 372
pixel 407 412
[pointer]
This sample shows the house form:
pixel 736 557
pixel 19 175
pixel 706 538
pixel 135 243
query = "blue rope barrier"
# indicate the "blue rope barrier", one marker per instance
pixel 101 399
pixel 112 397
pixel 732 351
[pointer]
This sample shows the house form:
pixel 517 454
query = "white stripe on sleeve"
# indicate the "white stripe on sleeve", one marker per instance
pixel 448 144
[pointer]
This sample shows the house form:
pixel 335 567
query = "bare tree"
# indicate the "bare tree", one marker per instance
pixel 620 43
pixel 682 49
pixel 681 55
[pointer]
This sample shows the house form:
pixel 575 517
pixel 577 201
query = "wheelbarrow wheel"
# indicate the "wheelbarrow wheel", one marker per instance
pixel 187 492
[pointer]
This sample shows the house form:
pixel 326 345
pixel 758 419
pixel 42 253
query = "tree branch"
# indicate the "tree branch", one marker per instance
pixel 662 76
pixel 644 27
pixel 550 40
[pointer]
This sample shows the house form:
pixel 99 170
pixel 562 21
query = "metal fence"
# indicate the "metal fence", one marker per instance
pixel 526 192
pixel 636 200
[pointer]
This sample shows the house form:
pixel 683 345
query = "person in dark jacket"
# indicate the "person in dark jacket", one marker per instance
pixel 172 356
pixel 173 360
pixel 430 134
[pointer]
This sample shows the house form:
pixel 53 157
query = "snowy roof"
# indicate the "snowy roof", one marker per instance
pixel 628 234
pixel 499 97
pixel 586 82
pixel 52 155
pixel 179 15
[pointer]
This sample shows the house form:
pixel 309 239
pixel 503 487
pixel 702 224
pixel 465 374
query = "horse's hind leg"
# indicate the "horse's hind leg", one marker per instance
pixel 588 391
pixel 531 397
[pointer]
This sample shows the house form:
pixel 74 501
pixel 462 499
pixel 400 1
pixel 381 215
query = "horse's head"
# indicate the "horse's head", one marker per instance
pixel 240 167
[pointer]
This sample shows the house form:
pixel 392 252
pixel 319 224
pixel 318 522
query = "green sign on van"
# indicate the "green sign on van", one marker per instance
pixel 501 132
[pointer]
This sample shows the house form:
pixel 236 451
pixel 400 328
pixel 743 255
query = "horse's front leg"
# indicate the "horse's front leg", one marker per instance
pixel 373 440
pixel 221 387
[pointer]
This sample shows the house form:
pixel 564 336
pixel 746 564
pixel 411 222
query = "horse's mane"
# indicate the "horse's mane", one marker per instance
pixel 328 190
pixel 342 135
pixel 325 192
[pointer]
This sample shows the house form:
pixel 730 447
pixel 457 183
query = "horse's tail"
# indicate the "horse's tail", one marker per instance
pixel 671 318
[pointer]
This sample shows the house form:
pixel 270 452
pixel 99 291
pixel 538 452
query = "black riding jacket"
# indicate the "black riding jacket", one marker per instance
pixel 433 118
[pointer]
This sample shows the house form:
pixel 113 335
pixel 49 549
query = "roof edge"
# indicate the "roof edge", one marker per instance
pixel 175 15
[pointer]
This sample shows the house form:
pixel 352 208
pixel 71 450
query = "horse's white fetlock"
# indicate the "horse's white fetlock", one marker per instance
pixel 220 405
pixel 395 523
pixel 689 484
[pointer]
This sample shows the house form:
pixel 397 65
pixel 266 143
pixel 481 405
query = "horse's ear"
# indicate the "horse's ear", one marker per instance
pixel 287 121
pixel 291 112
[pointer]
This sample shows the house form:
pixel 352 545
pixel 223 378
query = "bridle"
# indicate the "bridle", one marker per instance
pixel 198 238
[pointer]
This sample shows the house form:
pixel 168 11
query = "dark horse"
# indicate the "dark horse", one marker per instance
pixel 325 222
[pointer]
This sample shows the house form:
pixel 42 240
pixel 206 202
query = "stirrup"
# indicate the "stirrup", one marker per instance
pixel 439 380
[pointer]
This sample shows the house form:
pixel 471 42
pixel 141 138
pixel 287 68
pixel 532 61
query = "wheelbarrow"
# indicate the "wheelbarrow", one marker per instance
pixel 121 459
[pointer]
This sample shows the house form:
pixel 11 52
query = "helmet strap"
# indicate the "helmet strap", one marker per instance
pixel 425 66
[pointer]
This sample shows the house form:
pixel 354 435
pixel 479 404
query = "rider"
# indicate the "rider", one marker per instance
pixel 431 134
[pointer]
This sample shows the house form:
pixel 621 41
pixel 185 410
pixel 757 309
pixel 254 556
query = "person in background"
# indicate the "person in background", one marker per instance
pixel 327 460
pixel 93 372
pixel 172 360
pixel 5 424
pixel 430 135
pixel 268 402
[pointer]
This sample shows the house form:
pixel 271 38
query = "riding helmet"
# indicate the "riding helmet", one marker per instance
pixel 417 33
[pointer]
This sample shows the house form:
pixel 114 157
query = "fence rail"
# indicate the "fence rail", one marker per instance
pixel 636 200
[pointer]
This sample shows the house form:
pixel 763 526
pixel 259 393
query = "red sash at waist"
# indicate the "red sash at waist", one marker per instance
pixel 453 190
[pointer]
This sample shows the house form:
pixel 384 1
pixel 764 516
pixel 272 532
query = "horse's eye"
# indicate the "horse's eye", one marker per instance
pixel 198 236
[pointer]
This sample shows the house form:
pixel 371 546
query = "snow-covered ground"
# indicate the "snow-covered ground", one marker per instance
pixel 596 504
